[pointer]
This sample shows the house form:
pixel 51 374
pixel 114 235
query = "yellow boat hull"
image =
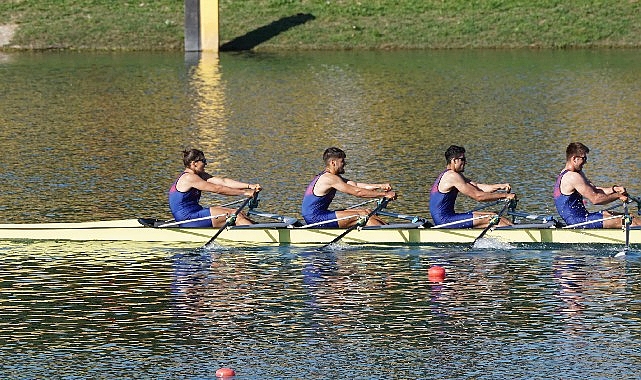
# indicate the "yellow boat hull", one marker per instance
pixel 132 230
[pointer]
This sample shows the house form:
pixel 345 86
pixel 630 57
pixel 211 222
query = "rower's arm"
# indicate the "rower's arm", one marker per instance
pixel 216 187
pixel 595 195
pixel 371 186
pixel 474 190
pixel 349 187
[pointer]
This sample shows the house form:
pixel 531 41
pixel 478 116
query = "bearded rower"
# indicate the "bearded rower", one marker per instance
pixel 323 188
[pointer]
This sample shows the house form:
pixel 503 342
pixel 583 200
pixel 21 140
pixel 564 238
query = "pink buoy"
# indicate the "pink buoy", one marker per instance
pixel 225 372
pixel 436 273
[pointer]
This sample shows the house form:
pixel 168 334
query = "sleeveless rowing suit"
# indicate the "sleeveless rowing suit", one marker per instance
pixel 316 209
pixel 185 206
pixel 442 207
pixel 571 207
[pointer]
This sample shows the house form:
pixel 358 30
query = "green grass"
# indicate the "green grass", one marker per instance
pixel 337 24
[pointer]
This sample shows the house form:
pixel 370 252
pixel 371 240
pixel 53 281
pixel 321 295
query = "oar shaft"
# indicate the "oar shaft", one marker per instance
pixel 627 221
pixel 232 203
pixel 463 221
pixel 362 204
pixel 381 205
pixel 486 205
pixel 231 219
pixel 592 221
pixel 494 221
pixel 329 221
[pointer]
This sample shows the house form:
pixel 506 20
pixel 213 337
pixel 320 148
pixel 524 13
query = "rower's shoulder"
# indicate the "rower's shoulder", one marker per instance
pixel 453 175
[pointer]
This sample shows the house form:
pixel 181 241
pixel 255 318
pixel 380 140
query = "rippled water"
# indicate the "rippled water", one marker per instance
pixel 98 136
pixel 121 310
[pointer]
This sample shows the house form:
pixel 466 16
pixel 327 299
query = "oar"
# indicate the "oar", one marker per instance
pixel 637 200
pixel 360 204
pixel 591 222
pixel 360 223
pixel 627 221
pixel 486 205
pixel 460 221
pixel 231 219
pixel 493 222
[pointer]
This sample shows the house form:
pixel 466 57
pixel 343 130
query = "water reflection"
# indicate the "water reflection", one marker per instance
pixel 570 274
pixel 210 113
pixel 303 307
pixel 104 131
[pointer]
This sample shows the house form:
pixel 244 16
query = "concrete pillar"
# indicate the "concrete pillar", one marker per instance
pixel 201 25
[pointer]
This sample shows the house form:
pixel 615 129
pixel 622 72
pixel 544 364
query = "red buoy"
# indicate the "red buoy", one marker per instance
pixel 436 273
pixel 225 372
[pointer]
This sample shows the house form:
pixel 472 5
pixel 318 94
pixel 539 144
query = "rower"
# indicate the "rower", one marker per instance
pixel 323 188
pixel 572 185
pixel 452 181
pixel 184 194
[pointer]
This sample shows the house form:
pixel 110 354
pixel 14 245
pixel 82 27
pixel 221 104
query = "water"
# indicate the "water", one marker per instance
pixel 120 310
pixel 98 136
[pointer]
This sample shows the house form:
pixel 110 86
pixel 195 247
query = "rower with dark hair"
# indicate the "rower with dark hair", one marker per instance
pixel 572 186
pixel 450 182
pixel 323 188
pixel 184 194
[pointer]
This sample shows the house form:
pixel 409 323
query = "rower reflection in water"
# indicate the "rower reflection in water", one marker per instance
pixel 452 181
pixel 322 189
pixel 572 186
pixel 184 194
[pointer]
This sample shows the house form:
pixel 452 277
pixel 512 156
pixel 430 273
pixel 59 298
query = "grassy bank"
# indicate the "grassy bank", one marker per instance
pixel 327 24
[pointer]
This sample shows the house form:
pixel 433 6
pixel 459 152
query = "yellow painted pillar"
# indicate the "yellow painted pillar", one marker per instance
pixel 209 40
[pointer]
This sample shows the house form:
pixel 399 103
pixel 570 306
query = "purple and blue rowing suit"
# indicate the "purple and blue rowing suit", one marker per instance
pixel 316 209
pixel 572 209
pixel 442 207
pixel 185 206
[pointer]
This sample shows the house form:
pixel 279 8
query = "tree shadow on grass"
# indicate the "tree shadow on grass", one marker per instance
pixel 265 33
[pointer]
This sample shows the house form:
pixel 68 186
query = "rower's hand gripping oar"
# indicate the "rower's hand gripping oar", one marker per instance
pixel 509 203
pixel 231 219
pixel 361 221
pixel 636 200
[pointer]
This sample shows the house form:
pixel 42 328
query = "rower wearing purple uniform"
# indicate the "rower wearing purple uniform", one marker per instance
pixel 323 188
pixel 572 186
pixel 447 187
pixel 184 194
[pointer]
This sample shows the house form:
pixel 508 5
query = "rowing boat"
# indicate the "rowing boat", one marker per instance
pixel 142 230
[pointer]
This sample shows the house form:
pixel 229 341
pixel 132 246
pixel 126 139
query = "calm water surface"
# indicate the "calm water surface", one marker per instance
pixel 98 136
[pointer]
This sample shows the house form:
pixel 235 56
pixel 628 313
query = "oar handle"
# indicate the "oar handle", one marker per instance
pixel 627 222
pixel 637 200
